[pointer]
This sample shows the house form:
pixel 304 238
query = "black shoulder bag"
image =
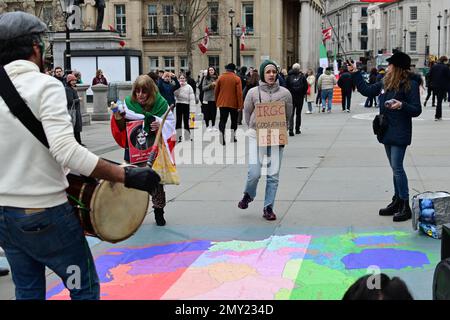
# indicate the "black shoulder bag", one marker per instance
pixel 379 125
pixel 19 108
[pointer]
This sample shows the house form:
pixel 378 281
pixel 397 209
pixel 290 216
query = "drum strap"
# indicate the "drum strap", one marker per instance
pixel 19 108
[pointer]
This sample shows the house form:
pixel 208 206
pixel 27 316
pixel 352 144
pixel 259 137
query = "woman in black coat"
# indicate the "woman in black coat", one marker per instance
pixel 399 103
pixel 73 103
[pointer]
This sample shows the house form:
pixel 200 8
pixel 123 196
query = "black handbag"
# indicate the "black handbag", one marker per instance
pixel 379 125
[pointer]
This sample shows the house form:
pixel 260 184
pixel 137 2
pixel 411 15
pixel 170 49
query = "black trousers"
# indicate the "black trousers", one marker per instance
pixel 440 93
pixel 346 100
pixel 182 111
pixel 297 112
pixel 224 112
pixel 100 17
pixel 429 93
pixel 211 113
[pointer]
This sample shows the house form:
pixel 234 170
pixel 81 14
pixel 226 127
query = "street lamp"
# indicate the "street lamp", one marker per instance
pixel 67 11
pixel 231 16
pixel 51 38
pixel 238 34
pixel 439 34
pixel 404 39
pixel 338 15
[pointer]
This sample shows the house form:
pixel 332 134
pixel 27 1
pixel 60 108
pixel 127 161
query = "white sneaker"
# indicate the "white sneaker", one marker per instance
pixel 308 112
pixel 209 129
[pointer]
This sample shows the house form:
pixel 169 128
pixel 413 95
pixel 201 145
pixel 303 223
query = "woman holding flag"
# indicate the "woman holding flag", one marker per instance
pixel 145 104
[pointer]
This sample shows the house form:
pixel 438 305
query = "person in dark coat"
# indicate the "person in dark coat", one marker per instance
pixel 73 104
pixel 345 82
pixel 440 79
pixel 319 92
pixel 399 103
pixel 372 80
pixel 298 86
pixel 167 88
pixel 192 83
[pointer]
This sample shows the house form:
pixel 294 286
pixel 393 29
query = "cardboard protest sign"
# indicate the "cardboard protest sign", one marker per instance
pixel 139 141
pixel 271 126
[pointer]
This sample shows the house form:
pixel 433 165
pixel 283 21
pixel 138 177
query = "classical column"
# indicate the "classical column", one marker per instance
pixel 101 112
pixel 81 89
pixel 304 33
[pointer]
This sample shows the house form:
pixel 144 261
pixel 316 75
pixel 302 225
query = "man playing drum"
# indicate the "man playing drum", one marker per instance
pixel 38 228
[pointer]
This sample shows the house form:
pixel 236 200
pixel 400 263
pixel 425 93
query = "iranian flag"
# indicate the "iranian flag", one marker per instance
pixel 323 56
pixel 203 46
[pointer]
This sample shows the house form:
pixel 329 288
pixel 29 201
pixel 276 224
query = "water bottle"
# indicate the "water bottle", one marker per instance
pixel 426 204
pixel 427 215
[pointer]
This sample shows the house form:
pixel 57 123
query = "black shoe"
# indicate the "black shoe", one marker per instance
pixel 425 104
pixel 4 272
pixel 298 131
pixel 268 214
pixel 392 208
pixel 405 212
pixel 243 204
pixel 233 140
pixel 159 217
pixel 291 133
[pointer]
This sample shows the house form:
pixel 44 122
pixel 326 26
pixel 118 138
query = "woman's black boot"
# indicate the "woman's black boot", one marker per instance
pixel 404 213
pixel 159 217
pixel 392 208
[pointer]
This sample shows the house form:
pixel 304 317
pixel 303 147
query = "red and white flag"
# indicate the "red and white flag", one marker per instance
pixel 243 39
pixel 326 34
pixel 203 46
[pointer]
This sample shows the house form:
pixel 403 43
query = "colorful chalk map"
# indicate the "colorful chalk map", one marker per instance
pixel 280 267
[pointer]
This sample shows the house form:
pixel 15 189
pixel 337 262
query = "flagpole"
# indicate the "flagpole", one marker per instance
pixel 332 28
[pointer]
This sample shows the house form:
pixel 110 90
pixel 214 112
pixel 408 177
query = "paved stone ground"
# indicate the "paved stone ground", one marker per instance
pixel 334 178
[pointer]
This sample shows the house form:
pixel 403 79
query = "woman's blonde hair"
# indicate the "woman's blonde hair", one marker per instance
pixel 148 86
pixel 396 79
pixel 98 72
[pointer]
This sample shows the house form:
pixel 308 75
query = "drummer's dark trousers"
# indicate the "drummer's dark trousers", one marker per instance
pixel 37 238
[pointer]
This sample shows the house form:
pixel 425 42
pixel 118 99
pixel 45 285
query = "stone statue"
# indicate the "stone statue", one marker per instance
pixel 100 5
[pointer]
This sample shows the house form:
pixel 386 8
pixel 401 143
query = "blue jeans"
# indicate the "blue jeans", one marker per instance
pixel 256 157
pixel 396 155
pixel 50 238
pixel 327 94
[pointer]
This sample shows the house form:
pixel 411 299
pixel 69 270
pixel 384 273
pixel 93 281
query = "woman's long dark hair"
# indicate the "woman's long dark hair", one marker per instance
pixel 208 76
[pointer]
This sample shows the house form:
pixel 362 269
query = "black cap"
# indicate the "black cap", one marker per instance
pixel 400 60
pixel 230 67
pixel 18 24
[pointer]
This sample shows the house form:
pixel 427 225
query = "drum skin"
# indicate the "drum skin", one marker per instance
pixel 114 212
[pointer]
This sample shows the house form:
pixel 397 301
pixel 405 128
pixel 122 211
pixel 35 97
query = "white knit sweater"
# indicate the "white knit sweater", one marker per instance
pixel 185 94
pixel 32 176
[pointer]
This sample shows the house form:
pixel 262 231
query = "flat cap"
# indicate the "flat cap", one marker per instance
pixel 18 24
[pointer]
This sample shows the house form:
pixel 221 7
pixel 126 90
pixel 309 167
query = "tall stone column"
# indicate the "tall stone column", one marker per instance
pixel 304 33
pixel 101 112
pixel 81 89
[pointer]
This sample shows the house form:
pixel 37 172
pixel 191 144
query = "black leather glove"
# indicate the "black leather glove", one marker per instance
pixel 145 179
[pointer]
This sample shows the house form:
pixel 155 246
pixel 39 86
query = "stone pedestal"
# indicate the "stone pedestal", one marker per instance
pixel 81 89
pixel 124 89
pixel 101 112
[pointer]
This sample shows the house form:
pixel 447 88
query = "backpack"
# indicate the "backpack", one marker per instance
pixel 297 84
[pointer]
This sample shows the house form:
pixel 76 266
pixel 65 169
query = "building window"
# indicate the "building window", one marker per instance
pixel 47 14
pixel 169 64
pixel 413 13
pixel 121 19
pixel 364 29
pixel 248 61
pixel 152 19
pixel 213 17
pixel 213 61
pixel 154 64
pixel 364 12
pixel 168 18
pixel 247 17
pixel 413 41
pixel 364 43
pixel 183 65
